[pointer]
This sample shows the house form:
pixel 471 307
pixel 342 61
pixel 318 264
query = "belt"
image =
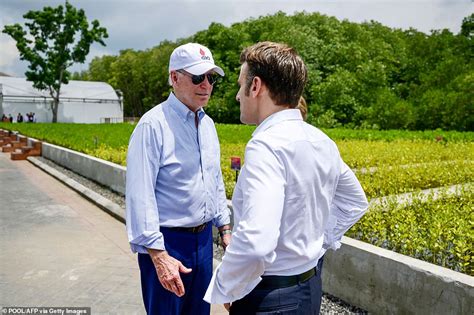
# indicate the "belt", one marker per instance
pixel 277 282
pixel 193 229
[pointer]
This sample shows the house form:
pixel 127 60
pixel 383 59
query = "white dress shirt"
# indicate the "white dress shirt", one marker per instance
pixel 294 198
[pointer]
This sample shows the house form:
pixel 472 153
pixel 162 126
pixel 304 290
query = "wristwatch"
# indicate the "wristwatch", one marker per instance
pixel 223 232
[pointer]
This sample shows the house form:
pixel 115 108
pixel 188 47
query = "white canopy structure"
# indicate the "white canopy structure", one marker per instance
pixel 79 101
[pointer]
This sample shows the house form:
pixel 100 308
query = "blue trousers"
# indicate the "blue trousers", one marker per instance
pixel 301 299
pixel 194 250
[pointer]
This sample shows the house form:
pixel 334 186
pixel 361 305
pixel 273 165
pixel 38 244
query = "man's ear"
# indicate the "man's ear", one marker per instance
pixel 173 77
pixel 256 87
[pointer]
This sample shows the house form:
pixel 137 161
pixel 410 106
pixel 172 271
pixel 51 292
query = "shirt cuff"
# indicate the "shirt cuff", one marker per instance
pixel 152 240
pixel 223 218
pixel 215 293
pixel 333 245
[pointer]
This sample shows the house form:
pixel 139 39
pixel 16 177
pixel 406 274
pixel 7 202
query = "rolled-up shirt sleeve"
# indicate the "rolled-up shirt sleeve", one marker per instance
pixel 255 237
pixel 143 164
pixel 348 206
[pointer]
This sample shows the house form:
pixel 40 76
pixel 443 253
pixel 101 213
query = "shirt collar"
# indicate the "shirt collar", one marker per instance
pixel 278 117
pixel 182 110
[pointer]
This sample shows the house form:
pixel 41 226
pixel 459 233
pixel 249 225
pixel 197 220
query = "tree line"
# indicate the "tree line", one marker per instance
pixel 52 41
pixel 361 75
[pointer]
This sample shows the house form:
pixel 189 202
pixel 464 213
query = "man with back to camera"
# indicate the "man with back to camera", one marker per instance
pixel 174 189
pixel 294 199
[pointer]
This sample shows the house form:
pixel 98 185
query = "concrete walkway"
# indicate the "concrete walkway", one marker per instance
pixel 57 249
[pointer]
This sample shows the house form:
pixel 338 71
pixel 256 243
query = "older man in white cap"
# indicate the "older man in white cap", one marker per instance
pixel 175 191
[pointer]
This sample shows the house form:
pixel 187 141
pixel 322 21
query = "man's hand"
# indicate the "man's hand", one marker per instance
pixel 167 270
pixel 225 232
pixel 225 240
pixel 227 306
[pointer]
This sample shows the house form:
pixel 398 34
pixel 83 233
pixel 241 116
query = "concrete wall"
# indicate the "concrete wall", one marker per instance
pixel 385 282
pixel 103 172
pixel 375 279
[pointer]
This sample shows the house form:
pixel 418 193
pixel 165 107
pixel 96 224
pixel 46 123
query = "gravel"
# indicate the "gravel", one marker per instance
pixel 101 190
pixel 329 305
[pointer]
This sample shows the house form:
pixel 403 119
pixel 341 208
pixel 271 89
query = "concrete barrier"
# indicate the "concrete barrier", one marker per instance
pixel 384 282
pixel 103 172
pixel 375 279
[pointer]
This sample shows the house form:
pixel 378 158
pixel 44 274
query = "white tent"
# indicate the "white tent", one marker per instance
pixel 79 101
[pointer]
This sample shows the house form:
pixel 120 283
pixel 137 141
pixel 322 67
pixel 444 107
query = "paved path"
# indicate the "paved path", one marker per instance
pixel 57 249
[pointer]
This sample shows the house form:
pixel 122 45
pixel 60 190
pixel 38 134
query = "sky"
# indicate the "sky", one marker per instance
pixel 142 24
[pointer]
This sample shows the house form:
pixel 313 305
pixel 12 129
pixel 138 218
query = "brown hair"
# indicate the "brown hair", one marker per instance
pixel 303 108
pixel 279 67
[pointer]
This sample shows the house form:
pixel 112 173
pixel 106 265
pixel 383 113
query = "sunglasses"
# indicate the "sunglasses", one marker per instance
pixel 198 79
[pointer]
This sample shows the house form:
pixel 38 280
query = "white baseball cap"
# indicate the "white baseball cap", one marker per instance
pixel 194 58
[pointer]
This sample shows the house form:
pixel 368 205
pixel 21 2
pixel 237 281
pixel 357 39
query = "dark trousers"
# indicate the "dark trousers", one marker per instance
pixel 301 299
pixel 194 250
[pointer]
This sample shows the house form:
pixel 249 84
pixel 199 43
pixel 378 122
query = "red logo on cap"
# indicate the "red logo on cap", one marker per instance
pixel 203 55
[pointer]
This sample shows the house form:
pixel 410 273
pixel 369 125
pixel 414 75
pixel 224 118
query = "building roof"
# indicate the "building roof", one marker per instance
pixel 20 87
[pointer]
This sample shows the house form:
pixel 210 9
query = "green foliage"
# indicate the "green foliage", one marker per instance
pixel 360 154
pixel 467 26
pixel 56 39
pixel 437 231
pixel 336 94
pixel 360 75
pixel 394 135
pixel 99 140
pixel 405 160
pixel 390 112
pixel 399 179
pixel 234 134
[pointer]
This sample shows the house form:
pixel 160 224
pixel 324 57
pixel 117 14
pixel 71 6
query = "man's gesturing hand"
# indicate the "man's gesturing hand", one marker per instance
pixel 168 269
